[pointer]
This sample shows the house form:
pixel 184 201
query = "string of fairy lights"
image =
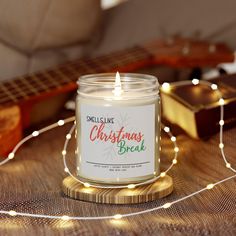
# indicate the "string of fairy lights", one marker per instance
pixel 165 87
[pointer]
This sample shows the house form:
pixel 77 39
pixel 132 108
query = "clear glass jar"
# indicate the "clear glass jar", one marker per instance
pixel 118 133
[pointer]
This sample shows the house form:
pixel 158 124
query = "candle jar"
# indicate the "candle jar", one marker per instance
pixel 118 128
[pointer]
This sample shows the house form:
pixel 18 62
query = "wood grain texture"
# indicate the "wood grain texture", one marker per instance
pixel 32 183
pixel 146 193
pixel 10 128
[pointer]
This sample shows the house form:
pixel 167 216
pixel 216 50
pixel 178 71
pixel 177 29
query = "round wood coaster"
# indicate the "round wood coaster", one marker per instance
pixel 159 189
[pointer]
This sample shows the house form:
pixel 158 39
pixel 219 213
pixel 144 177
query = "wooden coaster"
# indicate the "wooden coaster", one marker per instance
pixel 145 193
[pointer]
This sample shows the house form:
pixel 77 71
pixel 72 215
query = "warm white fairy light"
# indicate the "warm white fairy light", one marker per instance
pixel 174 161
pixel 221 101
pixel 63 152
pixel 68 136
pixel 221 122
pixel 165 87
pixel 117 216
pixel 12 213
pixel 195 81
pixel 167 129
pixel 176 149
pixel 87 185
pixel 162 174
pixel 167 205
pixel 221 145
pixel 214 87
pixel 66 169
pixel 11 155
pixel 65 217
pixel 130 186
pixel 35 133
pixel 210 186
pixel 60 122
pixel 228 165
pixel 173 138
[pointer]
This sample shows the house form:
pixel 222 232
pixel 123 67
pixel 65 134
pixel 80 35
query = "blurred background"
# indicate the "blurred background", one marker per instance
pixel 40 34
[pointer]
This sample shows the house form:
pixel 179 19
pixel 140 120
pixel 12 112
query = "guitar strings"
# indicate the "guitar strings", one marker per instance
pixel 37 86
pixel 55 82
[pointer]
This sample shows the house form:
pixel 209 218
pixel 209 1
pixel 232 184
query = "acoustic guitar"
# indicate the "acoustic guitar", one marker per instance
pixel 19 96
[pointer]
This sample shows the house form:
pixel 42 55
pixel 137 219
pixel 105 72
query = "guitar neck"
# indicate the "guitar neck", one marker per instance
pixel 179 53
pixel 63 78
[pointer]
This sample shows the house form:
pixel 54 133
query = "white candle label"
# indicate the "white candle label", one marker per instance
pixel 117 142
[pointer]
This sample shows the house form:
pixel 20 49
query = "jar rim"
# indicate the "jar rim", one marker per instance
pixel 107 80
pixel 142 85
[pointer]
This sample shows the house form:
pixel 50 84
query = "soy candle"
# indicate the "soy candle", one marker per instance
pixel 118 128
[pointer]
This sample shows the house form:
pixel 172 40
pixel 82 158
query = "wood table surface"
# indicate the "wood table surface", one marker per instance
pixel 32 183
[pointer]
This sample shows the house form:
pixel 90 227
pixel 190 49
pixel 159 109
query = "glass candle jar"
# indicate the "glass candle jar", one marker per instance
pixel 118 128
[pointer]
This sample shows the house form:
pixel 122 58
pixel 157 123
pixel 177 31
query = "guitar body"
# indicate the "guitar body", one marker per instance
pixel 22 100
pixel 10 128
pixel 14 119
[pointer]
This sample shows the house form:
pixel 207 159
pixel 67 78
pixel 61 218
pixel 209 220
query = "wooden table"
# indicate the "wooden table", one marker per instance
pixel 32 183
